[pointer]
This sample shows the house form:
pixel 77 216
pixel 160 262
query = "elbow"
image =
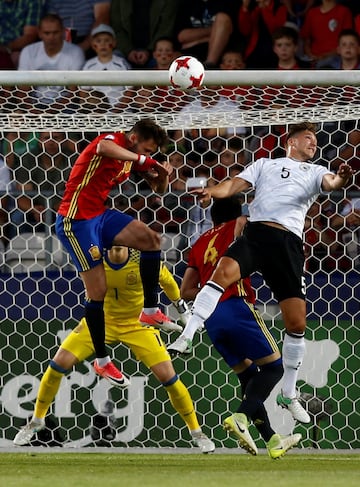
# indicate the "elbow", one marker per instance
pixel 101 148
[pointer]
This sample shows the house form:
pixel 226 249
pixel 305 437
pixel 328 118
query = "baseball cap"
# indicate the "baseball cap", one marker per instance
pixel 102 29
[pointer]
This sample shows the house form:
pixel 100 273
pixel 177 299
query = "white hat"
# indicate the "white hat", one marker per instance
pixel 103 29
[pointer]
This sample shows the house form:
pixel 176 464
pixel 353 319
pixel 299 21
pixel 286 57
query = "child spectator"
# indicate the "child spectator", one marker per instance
pixel 164 53
pixel 256 23
pixel 348 51
pixel 103 42
pixel 321 30
pixel 285 45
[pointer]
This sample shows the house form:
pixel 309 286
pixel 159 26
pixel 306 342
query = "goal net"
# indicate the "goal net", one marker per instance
pixel 214 132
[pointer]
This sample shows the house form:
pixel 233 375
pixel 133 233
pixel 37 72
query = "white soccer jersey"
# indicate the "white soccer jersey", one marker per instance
pixel 113 93
pixel 284 190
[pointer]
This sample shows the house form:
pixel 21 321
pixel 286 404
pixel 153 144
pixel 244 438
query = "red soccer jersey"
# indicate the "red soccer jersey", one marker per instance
pixel 92 178
pixel 323 28
pixel 206 252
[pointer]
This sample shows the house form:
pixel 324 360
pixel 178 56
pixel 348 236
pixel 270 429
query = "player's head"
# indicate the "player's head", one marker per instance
pixel 226 209
pixel 301 141
pixel 147 136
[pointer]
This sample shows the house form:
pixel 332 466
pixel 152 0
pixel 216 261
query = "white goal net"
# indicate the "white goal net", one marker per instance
pixel 214 132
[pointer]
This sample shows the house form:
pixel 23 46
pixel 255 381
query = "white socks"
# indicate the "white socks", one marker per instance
pixel 293 352
pixel 204 305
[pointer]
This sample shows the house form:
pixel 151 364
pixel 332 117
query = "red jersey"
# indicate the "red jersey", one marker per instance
pixel 92 178
pixel 206 252
pixel 323 28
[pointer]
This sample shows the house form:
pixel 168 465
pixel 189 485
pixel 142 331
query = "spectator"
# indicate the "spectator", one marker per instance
pixel 321 246
pixel 348 223
pixel 204 29
pixel 232 59
pixel 79 18
pixel 40 181
pixel 321 30
pixel 164 53
pixel 51 53
pixel 103 43
pixel 297 10
pixel 18 28
pixel 285 45
pixel 256 23
pixel 348 51
pixel 350 153
pixel 138 24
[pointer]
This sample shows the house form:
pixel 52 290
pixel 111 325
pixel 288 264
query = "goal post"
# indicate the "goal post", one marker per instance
pixel 214 132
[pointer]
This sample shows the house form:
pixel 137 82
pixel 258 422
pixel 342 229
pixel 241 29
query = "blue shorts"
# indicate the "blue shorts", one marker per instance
pixel 85 240
pixel 238 331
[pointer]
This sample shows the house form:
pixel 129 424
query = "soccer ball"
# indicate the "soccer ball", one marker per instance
pixel 186 72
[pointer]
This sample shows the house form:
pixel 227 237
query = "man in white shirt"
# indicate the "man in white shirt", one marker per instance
pixel 51 53
pixel 285 188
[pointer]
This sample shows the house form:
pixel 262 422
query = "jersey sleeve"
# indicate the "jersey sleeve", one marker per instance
pixel 321 171
pixel 168 283
pixel 251 172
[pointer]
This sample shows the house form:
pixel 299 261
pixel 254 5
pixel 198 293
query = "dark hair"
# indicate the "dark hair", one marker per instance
pixel 296 128
pixel 226 209
pixel 349 32
pixel 287 32
pixel 148 129
pixel 51 17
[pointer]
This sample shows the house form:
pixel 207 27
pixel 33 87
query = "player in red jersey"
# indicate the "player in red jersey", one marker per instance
pixel 86 226
pixel 237 331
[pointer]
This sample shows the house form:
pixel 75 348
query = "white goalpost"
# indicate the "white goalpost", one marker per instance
pixel 214 132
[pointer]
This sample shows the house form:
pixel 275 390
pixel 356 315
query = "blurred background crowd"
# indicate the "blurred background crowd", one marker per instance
pixel 149 34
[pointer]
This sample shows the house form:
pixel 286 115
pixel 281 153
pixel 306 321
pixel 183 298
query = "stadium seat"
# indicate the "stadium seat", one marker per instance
pixel 33 252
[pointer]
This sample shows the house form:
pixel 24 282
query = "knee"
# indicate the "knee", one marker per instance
pixel 224 20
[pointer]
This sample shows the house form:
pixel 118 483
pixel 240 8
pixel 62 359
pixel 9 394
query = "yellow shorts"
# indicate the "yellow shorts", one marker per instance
pixel 145 343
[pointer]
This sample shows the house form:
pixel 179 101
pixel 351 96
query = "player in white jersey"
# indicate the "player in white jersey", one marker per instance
pixel 285 188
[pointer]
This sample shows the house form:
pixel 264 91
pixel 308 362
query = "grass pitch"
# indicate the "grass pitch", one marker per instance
pixel 32 469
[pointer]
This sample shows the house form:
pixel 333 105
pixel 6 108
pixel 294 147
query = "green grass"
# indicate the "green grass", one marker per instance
pixel 177 470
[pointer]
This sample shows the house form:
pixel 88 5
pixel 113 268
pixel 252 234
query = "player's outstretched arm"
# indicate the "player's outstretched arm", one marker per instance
pixel 332 182
pixel 221 190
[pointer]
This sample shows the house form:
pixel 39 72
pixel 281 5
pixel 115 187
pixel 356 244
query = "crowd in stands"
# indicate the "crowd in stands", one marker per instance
pixel 149 34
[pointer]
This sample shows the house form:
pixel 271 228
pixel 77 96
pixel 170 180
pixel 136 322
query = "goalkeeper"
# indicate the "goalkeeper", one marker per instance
pixel 123 303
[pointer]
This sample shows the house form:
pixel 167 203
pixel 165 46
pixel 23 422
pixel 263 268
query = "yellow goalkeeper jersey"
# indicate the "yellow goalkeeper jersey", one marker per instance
pixel 124 299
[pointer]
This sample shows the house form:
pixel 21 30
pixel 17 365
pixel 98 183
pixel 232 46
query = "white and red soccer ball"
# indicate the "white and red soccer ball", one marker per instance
pixel 186 72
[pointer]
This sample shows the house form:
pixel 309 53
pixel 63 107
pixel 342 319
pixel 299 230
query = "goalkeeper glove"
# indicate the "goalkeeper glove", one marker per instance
pixel 184 312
